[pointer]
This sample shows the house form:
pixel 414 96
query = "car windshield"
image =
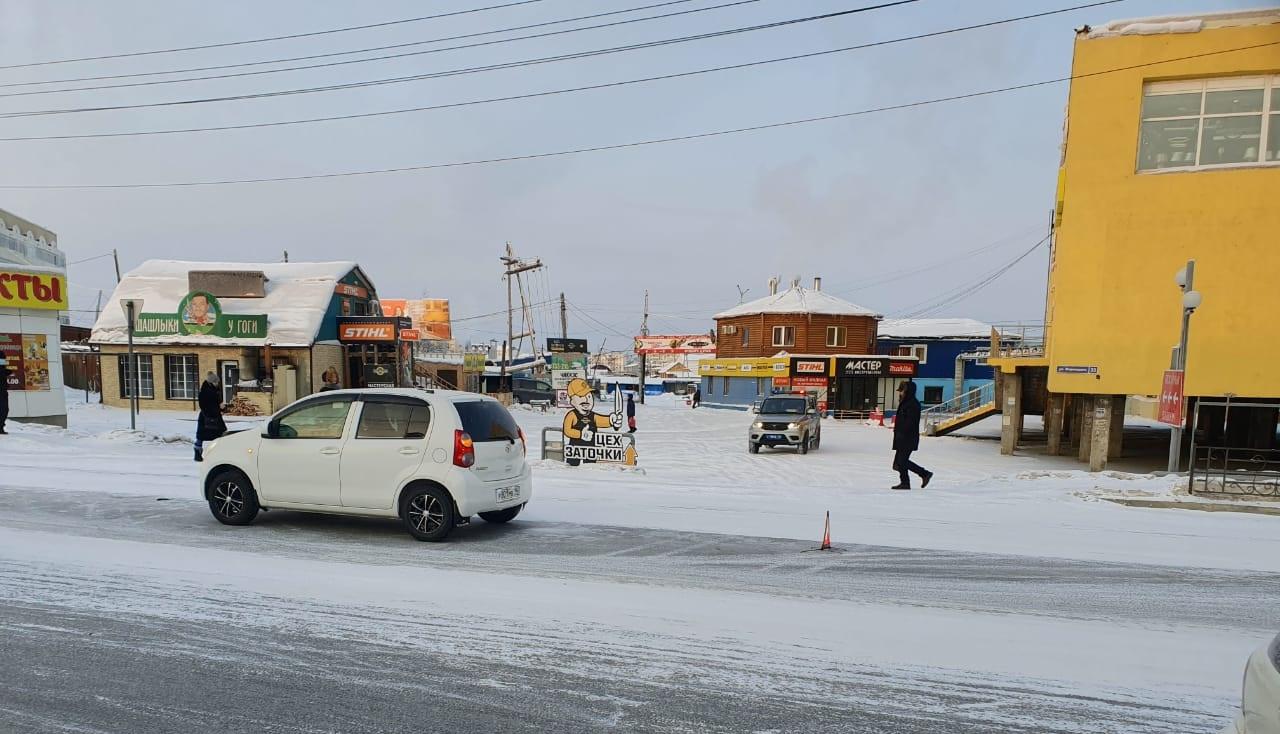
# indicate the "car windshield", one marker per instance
pixel 786 406
pixel 487 420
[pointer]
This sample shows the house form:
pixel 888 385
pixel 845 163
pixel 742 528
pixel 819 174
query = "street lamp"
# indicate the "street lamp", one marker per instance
pixel 1191 300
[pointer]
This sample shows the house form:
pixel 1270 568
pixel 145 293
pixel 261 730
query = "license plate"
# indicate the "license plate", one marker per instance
pixel 774 437
pixel 506 494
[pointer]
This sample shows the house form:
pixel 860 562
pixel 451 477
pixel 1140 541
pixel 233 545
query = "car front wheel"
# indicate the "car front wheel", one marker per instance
pixel 500 516
pixel 232 499
pixel 804 445
pixel 428 513
pixel 753 447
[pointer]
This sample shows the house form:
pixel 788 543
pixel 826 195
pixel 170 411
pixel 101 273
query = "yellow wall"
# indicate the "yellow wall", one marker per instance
pixel 1123 235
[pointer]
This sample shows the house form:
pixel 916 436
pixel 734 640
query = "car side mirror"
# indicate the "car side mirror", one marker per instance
pixel 272 431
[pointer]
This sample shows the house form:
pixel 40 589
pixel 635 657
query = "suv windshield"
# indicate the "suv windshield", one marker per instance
pixel 786 406
pixel 487 420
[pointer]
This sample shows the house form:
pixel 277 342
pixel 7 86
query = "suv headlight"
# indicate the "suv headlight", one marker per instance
pixel 757 425
pixel 792 426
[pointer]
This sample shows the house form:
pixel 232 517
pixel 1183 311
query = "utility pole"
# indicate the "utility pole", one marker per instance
pixel 514 266
pixel 644 331
pixel 116 256
pixel 564 319
pixel 1190 302
pixel 286 256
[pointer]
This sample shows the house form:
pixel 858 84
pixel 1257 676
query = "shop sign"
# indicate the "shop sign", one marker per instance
pixel 379 375
pixel 590 436
pixel 862 366
pixel 1171 399
pixel 473 361
pixel 27 356
pixel 803 381
pixel 367 329
pixel 567 346
pixel 354 291
pixel 200 314
pixel 902 369
pixel 679 344
pixel 20 289
pixel 809 366
pixel 410 335
pixel 782 382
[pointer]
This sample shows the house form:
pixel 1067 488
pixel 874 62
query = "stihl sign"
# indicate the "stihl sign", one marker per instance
pixel 367 332
pixel 32 290
pixel 810 367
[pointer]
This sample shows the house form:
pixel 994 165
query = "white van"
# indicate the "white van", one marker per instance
pixel 433 458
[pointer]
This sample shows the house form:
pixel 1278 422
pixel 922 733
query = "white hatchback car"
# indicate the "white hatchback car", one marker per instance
pixel 1260 697
pixel 433 458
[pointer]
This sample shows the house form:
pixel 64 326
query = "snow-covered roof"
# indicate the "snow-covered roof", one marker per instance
pixel 800 301
pixel 297 296
pixel 933 329
pixel 1162 24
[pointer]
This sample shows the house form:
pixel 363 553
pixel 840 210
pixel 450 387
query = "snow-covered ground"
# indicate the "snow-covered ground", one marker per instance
pixel 633 589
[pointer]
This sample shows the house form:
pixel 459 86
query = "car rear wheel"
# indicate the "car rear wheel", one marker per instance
pixel 232 499
pixel 500 516
pixel 428 513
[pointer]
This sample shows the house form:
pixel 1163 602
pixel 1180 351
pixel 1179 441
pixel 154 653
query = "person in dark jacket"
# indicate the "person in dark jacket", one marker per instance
pixel 209 424
pixel 906 437
pixel 696 399
pixel 631 412
pixel 4 394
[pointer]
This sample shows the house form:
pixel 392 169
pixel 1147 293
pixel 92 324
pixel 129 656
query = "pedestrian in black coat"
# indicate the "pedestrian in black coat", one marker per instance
pixel 4 394
pixel 906 437
pixel 631 413
pixel 209 424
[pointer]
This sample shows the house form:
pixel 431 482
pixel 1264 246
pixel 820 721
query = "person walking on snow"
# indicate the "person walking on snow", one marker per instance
pixel 906 437
pixel 4 393
pixel 209 424
pixel 631 412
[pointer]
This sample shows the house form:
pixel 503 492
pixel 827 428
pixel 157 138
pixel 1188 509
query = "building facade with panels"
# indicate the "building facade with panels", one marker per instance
pixel 33 295
pixel 952 354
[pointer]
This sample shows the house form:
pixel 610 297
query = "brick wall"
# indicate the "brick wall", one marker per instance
pixel 810 335
pixel 207 357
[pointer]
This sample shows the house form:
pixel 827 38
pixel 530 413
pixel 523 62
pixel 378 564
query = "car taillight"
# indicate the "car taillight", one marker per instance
pixel 524 445
pixel 464 450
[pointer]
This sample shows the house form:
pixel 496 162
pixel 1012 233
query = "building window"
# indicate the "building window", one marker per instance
pixel 762 385
pixel 932 394
pixel 784 336
pixel 836 336
pixel 725 390
pixel 1209 123
pixel 146 381
pixel 746 336
pixel 711 385
pixel 182 376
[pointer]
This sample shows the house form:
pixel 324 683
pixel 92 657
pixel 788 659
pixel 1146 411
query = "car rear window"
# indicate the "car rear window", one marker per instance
pixel 487 420
pixel 786 406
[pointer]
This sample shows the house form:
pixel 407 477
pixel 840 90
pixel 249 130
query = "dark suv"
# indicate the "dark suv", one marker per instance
pixel 526 390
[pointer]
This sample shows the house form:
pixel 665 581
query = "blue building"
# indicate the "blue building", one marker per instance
pixel 951 352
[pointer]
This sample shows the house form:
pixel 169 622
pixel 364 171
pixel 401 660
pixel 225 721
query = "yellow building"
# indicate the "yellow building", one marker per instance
pixel 1171 153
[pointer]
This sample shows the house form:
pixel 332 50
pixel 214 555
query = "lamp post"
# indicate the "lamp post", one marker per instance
pixel 132 306
pixel 1191 300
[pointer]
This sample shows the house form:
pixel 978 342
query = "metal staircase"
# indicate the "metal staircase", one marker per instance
pixel 960 411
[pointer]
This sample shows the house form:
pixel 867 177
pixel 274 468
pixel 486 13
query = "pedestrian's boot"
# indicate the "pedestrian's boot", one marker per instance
pixel 199 455
pixel 901 486
pixel 924 481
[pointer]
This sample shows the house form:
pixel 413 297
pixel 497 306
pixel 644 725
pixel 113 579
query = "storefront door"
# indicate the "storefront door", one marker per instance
pixel 229 372
pixel 857 394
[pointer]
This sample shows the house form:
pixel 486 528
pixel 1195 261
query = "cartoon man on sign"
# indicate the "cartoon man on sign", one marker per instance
pixel 591 436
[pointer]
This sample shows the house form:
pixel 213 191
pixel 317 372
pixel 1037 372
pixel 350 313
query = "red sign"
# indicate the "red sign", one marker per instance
pixel 804 381
pixel 1171 399
pixel 902 368
pixel 782 382
pixel 811 367
pixel 375 332
pixel 355 291
pixel 677 344
pixel 410 335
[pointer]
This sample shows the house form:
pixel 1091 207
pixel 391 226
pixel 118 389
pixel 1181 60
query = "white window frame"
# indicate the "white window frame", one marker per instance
pixel 1270 86
pixel 746 336
pixel 191 361
pixel 145 376
pixel 842 334
pixel 784 342
pixel 921 353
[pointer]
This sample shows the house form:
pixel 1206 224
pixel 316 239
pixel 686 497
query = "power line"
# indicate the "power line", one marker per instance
pixel 611 329
pixel 466 70
pixel 615 146
pixel 956 295
pixel 531 95
pixel 503 312
pixel 88 259
pixel 157 82
pixel 227 44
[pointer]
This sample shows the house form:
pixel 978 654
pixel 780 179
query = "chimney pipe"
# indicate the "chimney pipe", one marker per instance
pixel 817 283
pixel 773 286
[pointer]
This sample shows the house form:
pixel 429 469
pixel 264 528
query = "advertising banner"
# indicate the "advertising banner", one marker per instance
pixel 569 346
pixel 1171 400
pixel 473 361
pixel 20 289
pixel 369 329
pixel 429 316
pixel 379 375
pixel 875 367
pixel 565 368
pixel 200 314
pixel 745 366
pixel 679 344
pixel 595 437
pixel 11 350
pixel 27 356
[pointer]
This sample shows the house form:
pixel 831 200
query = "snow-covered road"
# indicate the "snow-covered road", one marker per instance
pixel 126 608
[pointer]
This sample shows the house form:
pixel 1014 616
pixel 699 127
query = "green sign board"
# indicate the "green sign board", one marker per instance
pixel 200 314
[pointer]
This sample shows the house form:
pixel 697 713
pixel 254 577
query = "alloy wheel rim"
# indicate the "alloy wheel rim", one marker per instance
pixel 426 513
pixel 229 499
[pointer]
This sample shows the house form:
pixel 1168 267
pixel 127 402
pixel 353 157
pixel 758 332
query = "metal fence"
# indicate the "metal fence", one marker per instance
pixel 1233 470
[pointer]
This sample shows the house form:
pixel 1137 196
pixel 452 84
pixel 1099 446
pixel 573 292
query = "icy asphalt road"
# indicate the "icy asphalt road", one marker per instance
pixel 125 614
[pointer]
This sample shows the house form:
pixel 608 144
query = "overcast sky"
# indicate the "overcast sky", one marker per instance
pixel 860 201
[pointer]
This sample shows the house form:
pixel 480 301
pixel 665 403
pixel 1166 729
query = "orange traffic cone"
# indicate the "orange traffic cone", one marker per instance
pixel 880 417
pixel 826 534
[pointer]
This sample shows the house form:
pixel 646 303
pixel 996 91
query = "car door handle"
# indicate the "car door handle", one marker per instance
pixel 330 450
pixel 409 451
